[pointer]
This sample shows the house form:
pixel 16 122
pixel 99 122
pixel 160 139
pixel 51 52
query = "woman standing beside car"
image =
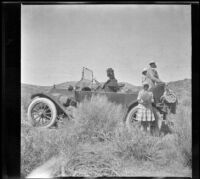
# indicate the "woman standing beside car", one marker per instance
pixel 145 113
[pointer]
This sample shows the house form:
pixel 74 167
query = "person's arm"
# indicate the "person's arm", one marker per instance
pixel 139 97
pixel 163 96
pixel 105 84
pixel 152 77
pixel 143 78
pixel 152 99
pixel 156 74
pixel 158 79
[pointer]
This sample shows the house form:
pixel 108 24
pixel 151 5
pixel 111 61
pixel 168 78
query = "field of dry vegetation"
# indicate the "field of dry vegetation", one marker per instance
pixel 97 143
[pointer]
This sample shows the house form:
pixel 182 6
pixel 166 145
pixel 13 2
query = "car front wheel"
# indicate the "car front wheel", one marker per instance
pixel 42 112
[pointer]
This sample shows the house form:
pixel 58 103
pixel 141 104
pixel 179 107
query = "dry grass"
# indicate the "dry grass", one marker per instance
pixel 182 129
pixel 39 145
pixel 97 144
pixel 90 161
pixel 97 119
pixel 144 147
pixel 171 151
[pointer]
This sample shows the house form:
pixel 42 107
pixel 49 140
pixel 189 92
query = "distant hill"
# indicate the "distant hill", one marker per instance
pixel 129 88
pixel 181 87
pixel 66 84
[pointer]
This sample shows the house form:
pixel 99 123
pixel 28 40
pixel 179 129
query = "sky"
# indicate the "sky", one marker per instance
pixel 58 40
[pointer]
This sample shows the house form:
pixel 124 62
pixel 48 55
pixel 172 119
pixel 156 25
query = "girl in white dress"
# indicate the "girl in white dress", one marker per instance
pixel 145 113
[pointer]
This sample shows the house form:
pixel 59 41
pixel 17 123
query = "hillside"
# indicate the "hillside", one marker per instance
pixel 182 88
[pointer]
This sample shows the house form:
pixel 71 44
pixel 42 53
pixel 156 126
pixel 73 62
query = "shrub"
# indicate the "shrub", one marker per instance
pixel 144 147
pixel 39 145
pixel 182 129
pixel 186 102
pixel 97 119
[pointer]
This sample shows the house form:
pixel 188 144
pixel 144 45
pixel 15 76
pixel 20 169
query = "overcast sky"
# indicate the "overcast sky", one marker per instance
pixel 58 40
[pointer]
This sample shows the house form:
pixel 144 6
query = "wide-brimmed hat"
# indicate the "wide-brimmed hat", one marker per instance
pixel 144 70
pixel 152 62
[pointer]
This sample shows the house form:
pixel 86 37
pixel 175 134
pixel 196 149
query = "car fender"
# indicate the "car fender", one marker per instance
pixel 129 106
pixel 54 99
pixel 132 104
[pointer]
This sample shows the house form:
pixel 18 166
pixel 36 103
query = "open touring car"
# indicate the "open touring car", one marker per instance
pixel 46 108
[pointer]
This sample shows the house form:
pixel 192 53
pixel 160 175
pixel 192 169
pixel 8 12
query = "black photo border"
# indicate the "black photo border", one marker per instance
pixel 11 82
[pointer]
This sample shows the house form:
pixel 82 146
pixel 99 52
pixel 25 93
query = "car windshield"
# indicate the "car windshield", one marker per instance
pixel 87 74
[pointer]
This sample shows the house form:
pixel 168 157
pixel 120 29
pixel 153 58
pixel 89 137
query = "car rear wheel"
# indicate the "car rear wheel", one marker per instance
pixel 132 122
pixel 131 118
pixel 42 113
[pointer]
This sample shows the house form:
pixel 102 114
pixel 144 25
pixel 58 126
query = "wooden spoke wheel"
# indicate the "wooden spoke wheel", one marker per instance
pixel 42 112
pixel 132 122
pixel 131 118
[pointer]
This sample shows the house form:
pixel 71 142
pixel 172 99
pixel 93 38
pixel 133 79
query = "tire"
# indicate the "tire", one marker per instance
pixel 131 118
pixel 42 113
pixel 131 121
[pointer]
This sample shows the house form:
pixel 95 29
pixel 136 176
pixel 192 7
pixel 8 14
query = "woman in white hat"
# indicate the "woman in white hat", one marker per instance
pixel 145 78
pixel 145 114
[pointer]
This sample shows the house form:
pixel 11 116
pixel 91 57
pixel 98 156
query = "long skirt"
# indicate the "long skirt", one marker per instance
pixel 144 114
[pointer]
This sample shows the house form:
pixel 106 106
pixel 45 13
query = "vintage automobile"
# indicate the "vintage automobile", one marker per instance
pixel 47 108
